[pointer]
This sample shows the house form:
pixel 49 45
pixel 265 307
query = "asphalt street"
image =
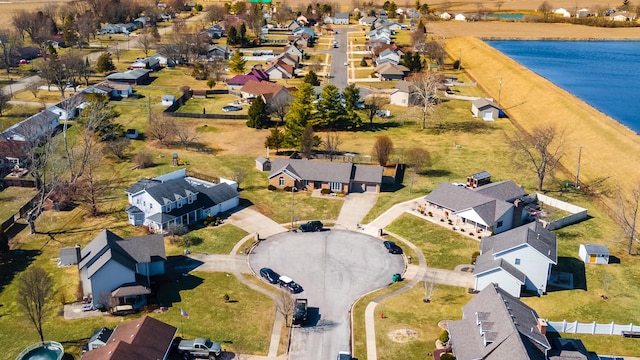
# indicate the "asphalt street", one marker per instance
pixel 335 268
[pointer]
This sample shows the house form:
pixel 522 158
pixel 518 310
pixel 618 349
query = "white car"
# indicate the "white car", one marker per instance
pixel 346 63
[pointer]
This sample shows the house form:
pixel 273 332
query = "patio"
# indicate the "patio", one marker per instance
pixel 446 219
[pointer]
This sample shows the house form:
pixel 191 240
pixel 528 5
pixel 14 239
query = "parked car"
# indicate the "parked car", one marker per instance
pixel 24 61
pixel 288 283
pixel 299 312
pixel 344 355
pixel 392 247
pixel 231 108
pixel 269 275
pixel 346 63
pixel 200 348
pixel 311 226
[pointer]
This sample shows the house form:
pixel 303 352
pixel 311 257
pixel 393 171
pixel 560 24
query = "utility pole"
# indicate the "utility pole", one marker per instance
pixel 293 187
pixel 499 91
pixel 578 172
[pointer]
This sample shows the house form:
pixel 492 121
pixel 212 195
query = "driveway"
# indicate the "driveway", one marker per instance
pixel 356 206
pixel 334 267
pixel 254 222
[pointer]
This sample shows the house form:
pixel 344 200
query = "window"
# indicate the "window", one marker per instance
pixel 138 201
pixel 517 261
pixel 499 224
pixel 150 205
pixel 335 186
pixel 281 181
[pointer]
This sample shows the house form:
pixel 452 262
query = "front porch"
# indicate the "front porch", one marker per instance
pixel 448 219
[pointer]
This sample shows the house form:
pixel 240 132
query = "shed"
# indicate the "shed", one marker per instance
pixel 168 100
pixel 485 109
pixel 132 134
pixel 263 164
pixel 594 254
pixel 69 256
pixel 478 179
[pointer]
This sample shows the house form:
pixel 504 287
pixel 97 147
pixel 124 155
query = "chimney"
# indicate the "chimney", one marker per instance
pixel 542 326
pixel 267 152
pixel 78 256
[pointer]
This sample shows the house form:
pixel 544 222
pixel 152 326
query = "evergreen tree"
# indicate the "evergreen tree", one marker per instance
pixel 413 61
pixel 301 111
pixel 392 10
pixel 275 140
pixel 351 96
pixel 311 78
pixel 258 117
pixel 237 63
pixel 242 38
pixel 69 31
pixel 422 27
pixel 104 63
pixel 331 111
pixel 232 36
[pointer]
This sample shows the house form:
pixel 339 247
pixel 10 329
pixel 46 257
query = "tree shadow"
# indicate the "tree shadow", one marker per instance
pixel 436 173
pixel 13 263
pixel 472 127
pixel 166 293
pixel 374 127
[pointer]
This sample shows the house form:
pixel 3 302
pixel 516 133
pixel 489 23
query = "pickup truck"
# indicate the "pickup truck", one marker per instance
pixel 299 312
pixel 200 348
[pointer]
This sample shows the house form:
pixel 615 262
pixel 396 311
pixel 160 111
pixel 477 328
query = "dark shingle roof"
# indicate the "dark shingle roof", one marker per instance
pixel 313 170
pixel 128 75
pixel 367 173
pixel 596 249
pixel 511 326
pixel 170 191
pixel 486 262
pixel 102 335
pixel 533 234
pixel 219 193
pixel 503 190
pixel 143 248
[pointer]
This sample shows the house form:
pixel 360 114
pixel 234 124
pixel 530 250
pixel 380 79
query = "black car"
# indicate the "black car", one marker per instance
pixel 269 275
pixel 392 247
pixel 311 226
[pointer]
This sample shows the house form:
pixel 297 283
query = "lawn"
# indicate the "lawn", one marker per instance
pixel 212 105
pixel 15 114
pixel 209 240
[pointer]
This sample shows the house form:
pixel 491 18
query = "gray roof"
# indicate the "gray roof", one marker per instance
pixel 165 192
pixel 313 170
pixel 510 325
pixel 109 246
pixel 481 175
pixel 457 198
pixel 69 256
pixel 71 102
pixel 128 75
pixel 596 249
pixel 262 160
pixel 486 262
pixel 219 193
pixel 342 15
pixel 404 86
pixel 101 335
pixel 484 102
pixel 503 190
pixel 533 234
pixel 367 173
pixel 132 289
pixel 37 124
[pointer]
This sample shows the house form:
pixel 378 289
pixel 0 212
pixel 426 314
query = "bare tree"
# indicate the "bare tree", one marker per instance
pixel 186 135
pixel 116 51
pixel 627 211
pixel 143 160
pixel 429 287
pixel 417 159
pixel 162 130
pixel 91 187
pixel 239 174
pixel 118 147
pixel 146 40
pixel 34 88
pixel 372 104
pixel 35 293
pixel 215 13
pixel 279 109
pixel 424 88
pixel 382 149
pixel 9 44
pixel 4 102
pixel 543 149
pixel 545 8
pixel 332 142
pixel 285 305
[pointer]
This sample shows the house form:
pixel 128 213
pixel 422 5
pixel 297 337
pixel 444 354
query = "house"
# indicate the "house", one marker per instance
pixel 270 92
pixel 263 164
pixel 12 155
pixel 496 325
pixel 478 179
pixel 582 13
pixel 102 88
pixel 367 20
pixel 70 107
pixel 132 77
pixel 485 108
pixel 151 63
pixel 401 95
pixel 302 20
pixel 336 176
pixel 625 16
pixel 517 259
pixel 295 51
pixel 391 71
pixel 464 206
pixel 388 56
pixel 116 271
pixel 378 47
pixel 562 12
pixel 33 127
pixel 175 198
pixel 287 58
pixel 99 339
pixel 216 31
pixel 218 52
pixel 279 69
pixel 341 18
pixel 328 20
pixel 120 89
pixel 235 83
pixel 594 254
pixel 293 25
pixel 445 16
pixel 168 100
pixel 460 17
pixel 143 338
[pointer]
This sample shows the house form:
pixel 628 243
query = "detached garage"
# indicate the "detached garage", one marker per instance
pixel 594 254
pixel 485 109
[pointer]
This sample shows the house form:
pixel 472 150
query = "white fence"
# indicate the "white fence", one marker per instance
pixel 577 213
pixel 589 328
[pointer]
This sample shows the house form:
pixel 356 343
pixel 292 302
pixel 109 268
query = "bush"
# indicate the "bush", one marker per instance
pixel 209 220
pixel 447 356
pixel 444 336
pixel 430 214
pixel 471 233
pixel 226 297
pixel 325 191
pixel 456 64
pixel 363 63
pixel 271 188
pixel 287 188
pixel 474 256
pixel 143 160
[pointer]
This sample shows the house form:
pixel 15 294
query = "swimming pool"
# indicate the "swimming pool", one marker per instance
pixel 48 350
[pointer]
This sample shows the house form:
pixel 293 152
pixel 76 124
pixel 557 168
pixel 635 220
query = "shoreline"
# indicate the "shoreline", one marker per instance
pixel 530 99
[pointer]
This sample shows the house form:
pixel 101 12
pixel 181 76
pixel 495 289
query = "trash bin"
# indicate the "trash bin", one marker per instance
pixel 396 277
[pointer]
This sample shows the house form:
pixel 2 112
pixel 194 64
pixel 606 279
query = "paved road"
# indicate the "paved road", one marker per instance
pixel 338 72
pixel 335 267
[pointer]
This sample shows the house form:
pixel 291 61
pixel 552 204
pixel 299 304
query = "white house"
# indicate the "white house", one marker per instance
pixel 70 107
pixel 594 254
pixel 401 95
pixel 341 18
pixel 175 198
pixel 460 17
pixel 388 56
pixel 99 338
pixel 116 271
pixel 562 12
pixel 33 127
pixel 445 16
pixel 520 258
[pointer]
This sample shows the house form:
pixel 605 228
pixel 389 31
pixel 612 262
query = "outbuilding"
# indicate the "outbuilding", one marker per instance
pixel 594 254
pixel 485 109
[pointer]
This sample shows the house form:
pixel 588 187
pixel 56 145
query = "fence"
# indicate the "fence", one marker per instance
pixel 589 328
pixel 207 116
pixel 577 213
pixel 20 214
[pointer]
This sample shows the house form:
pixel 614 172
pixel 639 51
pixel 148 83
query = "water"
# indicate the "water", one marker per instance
pixel 601 73
pixel 43 353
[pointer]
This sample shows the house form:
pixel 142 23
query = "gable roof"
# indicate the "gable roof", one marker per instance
pixel 486 263
pixel 503 190
pixel 367 173
pixel 143 249
pixel 32 126
pixel 128 75
pixel 534 235
pixel 507 324
pixel 243 79
pixel 342 15
pixel 484 103
pixel 101 335
pixel 404 86
pixel 389 68
pixel 101 250
pixel 457 198
pixel 72 101
pixel 267 89
pixel 101 87
pixel 143 338
pixel 326 171
pixel 12 149
pixel 219 193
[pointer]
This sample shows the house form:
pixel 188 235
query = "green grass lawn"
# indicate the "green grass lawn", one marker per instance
pixel 209 240
pixel 213 105
pixel 14 114
pixel 11 198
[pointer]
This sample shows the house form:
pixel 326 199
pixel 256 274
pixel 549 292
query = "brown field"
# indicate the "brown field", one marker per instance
pixel 531 100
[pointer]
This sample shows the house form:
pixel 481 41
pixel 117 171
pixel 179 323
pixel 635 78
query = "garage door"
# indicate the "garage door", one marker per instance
pixel 371 188
pixel 356 187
